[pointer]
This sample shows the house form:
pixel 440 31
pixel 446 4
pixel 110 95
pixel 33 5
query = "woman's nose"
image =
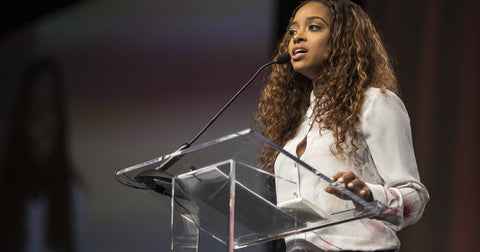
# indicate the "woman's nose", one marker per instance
pixel 298 37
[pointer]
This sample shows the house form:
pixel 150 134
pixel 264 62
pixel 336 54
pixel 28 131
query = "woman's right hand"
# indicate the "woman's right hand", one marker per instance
pixel 353 183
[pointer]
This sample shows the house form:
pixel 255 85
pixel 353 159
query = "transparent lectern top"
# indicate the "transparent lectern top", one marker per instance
pixel 209 165
pixel 244 146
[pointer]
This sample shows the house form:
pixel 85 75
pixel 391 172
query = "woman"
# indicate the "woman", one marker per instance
pixel 335 106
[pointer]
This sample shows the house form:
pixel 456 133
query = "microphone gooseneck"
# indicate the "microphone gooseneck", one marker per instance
pixel 158 179
pixel 282 59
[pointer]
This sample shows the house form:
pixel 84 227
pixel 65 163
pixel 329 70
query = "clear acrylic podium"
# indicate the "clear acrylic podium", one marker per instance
pixel 221 188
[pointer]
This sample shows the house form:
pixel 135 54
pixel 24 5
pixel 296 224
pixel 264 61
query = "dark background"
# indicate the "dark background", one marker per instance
pixel 142 77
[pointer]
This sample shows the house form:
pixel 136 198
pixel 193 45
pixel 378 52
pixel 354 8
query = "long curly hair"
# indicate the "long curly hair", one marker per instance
pixel 356 60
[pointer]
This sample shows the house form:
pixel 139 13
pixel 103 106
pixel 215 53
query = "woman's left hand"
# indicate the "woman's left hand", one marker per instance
pixel 350 181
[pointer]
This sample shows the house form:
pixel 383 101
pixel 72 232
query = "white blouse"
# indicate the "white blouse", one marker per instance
pixel 384 160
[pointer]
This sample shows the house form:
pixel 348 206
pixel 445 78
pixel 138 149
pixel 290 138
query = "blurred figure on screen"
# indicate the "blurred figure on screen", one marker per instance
pixel 37 183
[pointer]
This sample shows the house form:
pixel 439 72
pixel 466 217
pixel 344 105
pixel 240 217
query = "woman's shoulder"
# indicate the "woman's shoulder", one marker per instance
pixel 375 97
pixel 374 92
pixel 382 105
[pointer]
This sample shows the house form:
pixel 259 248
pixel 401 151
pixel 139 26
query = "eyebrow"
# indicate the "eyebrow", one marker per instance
pixel 311 18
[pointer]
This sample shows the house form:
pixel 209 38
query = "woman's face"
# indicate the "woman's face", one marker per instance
pixel 309 33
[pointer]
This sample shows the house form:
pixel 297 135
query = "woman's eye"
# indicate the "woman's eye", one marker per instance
pixel 313 27
pixel 292 32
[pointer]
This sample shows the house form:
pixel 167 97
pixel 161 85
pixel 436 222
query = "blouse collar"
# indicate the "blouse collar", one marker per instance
pixel 311 108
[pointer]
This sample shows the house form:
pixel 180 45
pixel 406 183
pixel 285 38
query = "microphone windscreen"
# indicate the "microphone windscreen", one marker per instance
pixel 282 59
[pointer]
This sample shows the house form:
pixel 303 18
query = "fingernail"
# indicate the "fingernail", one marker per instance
pixel 350 185
pixel 340 180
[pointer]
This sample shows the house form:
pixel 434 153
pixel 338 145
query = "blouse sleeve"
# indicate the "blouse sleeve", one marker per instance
pixel 386 127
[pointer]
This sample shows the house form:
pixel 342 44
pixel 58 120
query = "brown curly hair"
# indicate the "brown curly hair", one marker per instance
pixel 356 60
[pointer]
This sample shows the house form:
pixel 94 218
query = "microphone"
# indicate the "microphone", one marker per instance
pixel 282 59
pixel 157 179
